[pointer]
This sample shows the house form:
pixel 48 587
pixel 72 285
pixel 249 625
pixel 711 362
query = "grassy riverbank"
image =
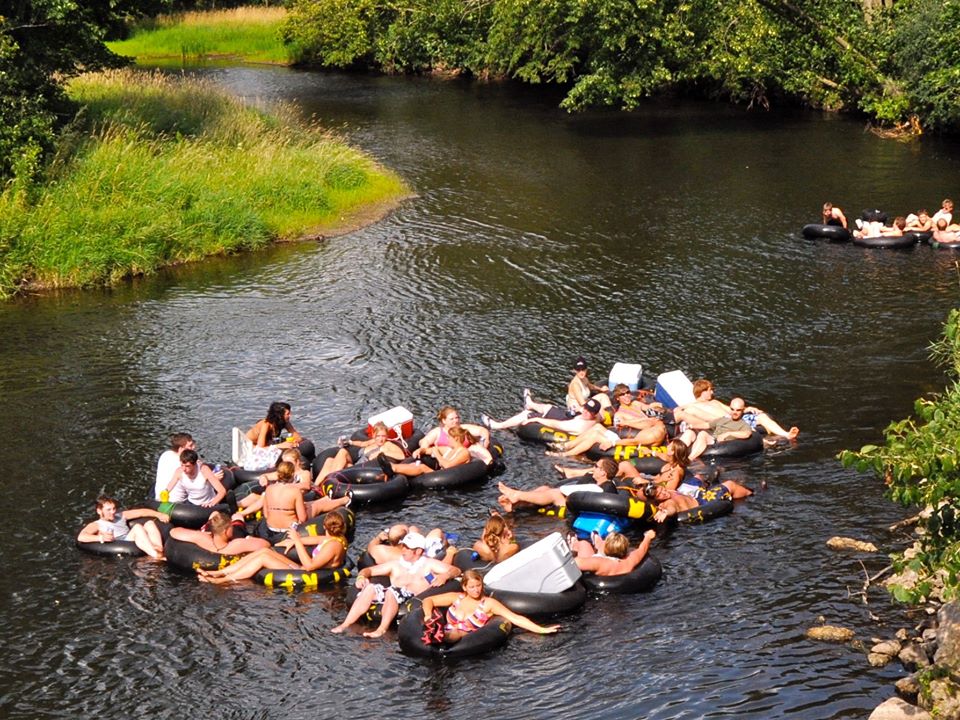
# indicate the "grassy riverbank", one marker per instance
pixel 168 170
pixel 248 34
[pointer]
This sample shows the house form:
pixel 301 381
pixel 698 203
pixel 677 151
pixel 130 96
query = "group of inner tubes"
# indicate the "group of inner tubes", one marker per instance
pixel 290 524
pixel 874 229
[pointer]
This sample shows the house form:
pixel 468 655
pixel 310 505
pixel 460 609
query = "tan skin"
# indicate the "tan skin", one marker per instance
pixel 146 536
pixel 449 419
pixel 380 443
pixel 473 597
pixel 448 456
pixel 506 547
pixel 588 560
pixel 262 433
pixel 221 542
pixel 543 495
pixel 331 554
pixel 190 469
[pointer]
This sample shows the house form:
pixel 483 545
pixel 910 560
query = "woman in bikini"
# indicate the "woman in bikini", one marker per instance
pixel 449 418
pixel 328 551
pixel 670 475
pixel 379 444
pixel 436 457
pixel 471 610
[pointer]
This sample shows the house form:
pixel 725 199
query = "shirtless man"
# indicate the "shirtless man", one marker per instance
pixel 706 408
pixel 604 472
pixel 943 235
pixel 833 215
pixel 672 502
pixel 410 574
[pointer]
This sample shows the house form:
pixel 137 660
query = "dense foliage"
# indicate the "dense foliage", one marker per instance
pixel 920 462
pixel 886 62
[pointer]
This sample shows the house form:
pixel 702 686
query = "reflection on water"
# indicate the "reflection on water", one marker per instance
pixel 667 236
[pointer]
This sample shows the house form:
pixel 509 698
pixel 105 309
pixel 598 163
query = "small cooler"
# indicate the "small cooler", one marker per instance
pixel 588 523
pixel 547 566
pixel 673 389
pixel 629 374
pixel 398 419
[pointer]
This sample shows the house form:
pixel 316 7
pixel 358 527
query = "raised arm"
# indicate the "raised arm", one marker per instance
pixel 498 608
pixel 217 485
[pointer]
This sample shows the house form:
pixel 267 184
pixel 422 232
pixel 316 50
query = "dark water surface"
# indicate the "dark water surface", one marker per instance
pixel 667 236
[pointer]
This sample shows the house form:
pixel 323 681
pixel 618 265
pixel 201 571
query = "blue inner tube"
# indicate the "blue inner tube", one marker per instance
pixel 367 484
pixel 833 233
pixel 619 504
pixel 640 579
pixel 735 448
pixel 490 637
pixel 901 242
pixel 542 604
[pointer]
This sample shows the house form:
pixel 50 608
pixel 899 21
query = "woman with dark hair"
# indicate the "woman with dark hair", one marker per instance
pixel 328 551
pixel 267 432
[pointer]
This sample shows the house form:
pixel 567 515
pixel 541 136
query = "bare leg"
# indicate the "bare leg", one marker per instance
pixel 334 464
pixel 358 609
pixel 510 422
pixel 387 613
pixel 138 536
pixel 737 491
pixel 325 505
pixel 541 496
pixel 699 443
pixel 774 428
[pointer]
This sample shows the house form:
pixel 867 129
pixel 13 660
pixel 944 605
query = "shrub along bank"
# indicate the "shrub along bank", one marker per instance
pixel 162 170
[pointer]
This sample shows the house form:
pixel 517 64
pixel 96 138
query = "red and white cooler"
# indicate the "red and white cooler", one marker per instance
pixel 398 419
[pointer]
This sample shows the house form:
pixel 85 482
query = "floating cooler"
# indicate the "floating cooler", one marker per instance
pixel 588 523
pixel 629 374
pixel 673 389
pixel 547 566
pixel 398 419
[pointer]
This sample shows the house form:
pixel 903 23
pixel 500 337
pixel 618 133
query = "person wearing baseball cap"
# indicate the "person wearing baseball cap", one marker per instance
pixel 581 388
pixel 410 574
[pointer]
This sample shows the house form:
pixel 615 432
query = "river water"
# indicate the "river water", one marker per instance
pixel 668 236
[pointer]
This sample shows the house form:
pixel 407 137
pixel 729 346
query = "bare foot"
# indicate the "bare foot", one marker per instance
pixel 505 504
pixel 374 633
pixel 338 629
pixel 793 432
pixel 555 453
pixel 508 492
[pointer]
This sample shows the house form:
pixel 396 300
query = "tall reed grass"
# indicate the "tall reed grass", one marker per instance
pixel 250 34
pixel 169 170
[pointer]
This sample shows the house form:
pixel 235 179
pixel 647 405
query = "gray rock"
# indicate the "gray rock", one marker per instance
pixel 945 698
pixel 913 656
pixel 887 647
pixel 908 688
pixel 897 709
pixel 948 636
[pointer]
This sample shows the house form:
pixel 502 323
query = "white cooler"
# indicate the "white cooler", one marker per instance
pixel 673 389
pixel 547 566
pixel 398 419
pixel 627 373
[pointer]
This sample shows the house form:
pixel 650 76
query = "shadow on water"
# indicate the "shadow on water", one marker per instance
pixel 668 236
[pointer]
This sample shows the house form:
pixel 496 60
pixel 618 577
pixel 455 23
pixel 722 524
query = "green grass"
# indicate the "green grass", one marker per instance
pixel 168 170
pixel 248 34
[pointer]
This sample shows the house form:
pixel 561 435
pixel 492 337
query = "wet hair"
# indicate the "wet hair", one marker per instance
pixel 900 222
pixel 189 456
pixel 178 440
pixel 700 386
pixel 285 471
pixel 276 416
pixel 446 410
pixel 616 545
pixel 493 533
pixel 334 524
pixel 469 575
pixel 218 522
pixel 827 207
pixel 105 500
pixel 608 465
